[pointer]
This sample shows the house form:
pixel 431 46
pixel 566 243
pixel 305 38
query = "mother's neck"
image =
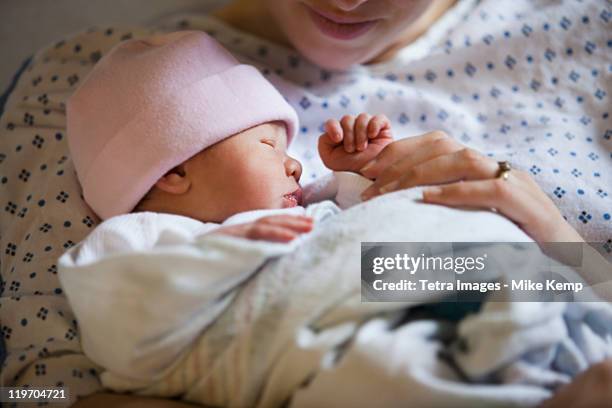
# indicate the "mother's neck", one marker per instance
pixel 415 30
pixel 252 17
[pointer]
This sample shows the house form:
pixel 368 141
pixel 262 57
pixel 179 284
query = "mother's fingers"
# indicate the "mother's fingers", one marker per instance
pixel 417 146
pixel 464 164
pixel 505 196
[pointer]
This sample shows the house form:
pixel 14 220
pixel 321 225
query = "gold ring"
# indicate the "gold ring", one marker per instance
pixel 504 170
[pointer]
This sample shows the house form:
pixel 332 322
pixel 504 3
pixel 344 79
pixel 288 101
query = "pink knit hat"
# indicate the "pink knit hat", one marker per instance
pixel 150 105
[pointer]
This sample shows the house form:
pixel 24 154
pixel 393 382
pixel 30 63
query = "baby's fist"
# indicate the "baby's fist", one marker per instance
pixel 348 144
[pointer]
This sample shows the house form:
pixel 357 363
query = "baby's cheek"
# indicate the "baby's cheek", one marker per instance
pixel 252 193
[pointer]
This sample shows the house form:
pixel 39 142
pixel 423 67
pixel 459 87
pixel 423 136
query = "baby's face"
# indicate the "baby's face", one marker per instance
pixel 248 171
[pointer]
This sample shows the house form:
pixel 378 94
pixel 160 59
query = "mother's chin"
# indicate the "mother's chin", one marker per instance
pixel 333 54
pixel 335 58
pixel 332 40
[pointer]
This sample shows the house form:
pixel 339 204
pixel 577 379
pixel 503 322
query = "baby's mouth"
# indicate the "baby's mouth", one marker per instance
pixel 293 199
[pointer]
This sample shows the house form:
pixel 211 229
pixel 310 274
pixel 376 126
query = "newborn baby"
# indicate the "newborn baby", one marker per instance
pixel 174 124
pixel 176 146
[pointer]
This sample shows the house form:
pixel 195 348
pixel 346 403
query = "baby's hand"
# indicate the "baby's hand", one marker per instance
pixel 348 144
pixel 275 228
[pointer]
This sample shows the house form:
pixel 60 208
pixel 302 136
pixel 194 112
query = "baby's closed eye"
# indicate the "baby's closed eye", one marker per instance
pixel 269 142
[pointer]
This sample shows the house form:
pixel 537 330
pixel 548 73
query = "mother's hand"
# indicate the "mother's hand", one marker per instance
pixel 464 177
pixel 590 389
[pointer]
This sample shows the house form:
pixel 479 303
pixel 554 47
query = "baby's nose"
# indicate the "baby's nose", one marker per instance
pixel 293 168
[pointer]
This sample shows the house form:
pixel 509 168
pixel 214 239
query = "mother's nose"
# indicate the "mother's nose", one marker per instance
pixel 348 5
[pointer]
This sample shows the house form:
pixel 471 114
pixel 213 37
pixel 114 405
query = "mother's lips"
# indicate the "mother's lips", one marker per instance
pixel 342 19
pixel 343 28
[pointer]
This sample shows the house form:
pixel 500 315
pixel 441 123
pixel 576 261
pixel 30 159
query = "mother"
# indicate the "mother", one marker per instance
pixel 465 90
pixel 378 37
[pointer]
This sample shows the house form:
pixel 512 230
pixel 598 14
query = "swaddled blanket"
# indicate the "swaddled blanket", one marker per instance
pixel 164 321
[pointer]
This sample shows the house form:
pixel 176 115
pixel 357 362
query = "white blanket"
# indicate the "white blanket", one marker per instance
pixel 229 322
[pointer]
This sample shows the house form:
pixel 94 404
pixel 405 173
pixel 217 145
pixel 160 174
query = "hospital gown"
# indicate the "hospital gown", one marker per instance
pixel 527 81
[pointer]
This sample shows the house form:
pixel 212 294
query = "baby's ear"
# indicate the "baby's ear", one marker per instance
pixel 174 181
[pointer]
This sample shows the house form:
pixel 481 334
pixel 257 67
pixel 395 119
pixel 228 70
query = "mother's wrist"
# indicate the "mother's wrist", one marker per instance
pixel 564 232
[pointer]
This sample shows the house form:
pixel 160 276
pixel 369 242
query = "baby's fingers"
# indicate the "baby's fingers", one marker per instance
pixel 274 233
pixel 280 228
pixel 379 126
pixel 333 130
pixel 295 223
pixel 361 130
pixel 348 126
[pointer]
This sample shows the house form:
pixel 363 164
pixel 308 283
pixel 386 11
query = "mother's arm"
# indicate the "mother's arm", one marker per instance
pixel 590 389
pixel 104 400
pixel 464 177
